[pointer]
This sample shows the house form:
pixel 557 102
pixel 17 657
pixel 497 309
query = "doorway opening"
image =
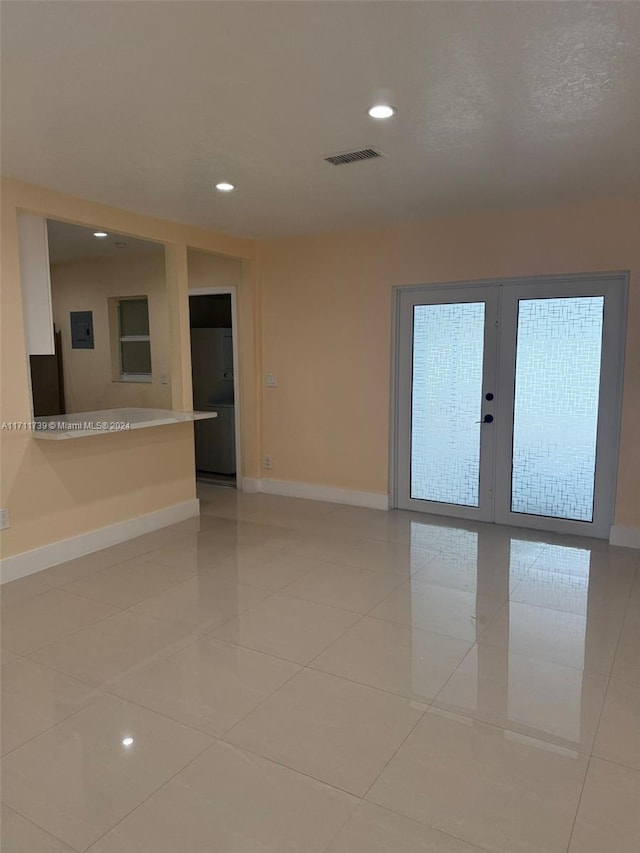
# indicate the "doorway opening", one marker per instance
pixel 213 370
pixel 508 399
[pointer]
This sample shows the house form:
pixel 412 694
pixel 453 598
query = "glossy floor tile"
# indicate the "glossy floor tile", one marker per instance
pixel 354 589
pixel 32 624
pixel 80 777
pixel 73 569
pixel 329 728
pixel 626 665
pixel 454 612
pixel 201 603
pixel 608 817
pixel 484 784
pixel 247 534
pixel 34 698
pixel 264 567
pixel 127 583
pixel 209 685
pixel 578 581
pixel 196 552
pixel 289 628
pixel 16 591
pixel 556 636
pixel 132 548
pixel 568 592
pixel 287 676
pixel 398 658
pixel 397 557
pixel 546 700
pixel 229 800
pixel 114 647
pixel 489 565
pixel 618 737
pixel 19 835
pixel 324 546
pixel 372 829
pixel 469 572
pixel 7 657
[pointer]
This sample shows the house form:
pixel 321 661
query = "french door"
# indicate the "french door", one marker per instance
pixel 508 401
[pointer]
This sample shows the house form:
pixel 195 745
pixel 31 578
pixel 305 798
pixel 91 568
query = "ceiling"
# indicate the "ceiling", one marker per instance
pixel 69 242
pixel 146 105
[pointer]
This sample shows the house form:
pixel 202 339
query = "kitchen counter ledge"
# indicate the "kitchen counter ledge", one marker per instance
pixel 109 421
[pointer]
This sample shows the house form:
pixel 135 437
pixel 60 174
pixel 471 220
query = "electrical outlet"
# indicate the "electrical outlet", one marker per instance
pixel 267 462
pixel 5 521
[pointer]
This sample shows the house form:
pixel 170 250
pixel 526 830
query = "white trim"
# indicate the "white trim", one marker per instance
pixel 230 290
pixel 35 284
pixel 407 301
pixel 314 492
pixel 394 408
pixel 20 565
pixel 250 485
pixel 134 377
pixel 613 290
pixel 625 537
pixel 559 278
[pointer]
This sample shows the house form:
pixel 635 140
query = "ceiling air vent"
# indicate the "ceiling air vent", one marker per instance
pixel 353 156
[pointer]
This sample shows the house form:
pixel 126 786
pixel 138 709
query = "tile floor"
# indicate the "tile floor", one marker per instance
pixel 284 676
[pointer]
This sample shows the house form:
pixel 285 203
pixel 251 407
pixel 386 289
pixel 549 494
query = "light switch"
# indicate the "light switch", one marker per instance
pixel 271 380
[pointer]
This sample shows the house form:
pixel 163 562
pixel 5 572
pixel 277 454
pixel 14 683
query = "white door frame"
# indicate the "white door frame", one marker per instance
pixel 439 296
pixel 230 290
pixel 616 285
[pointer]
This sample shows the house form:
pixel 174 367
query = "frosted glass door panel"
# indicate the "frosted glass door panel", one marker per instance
pixel 555 422
pixel 446 402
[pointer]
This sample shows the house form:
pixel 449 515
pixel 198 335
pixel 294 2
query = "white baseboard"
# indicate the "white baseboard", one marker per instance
pixel 311 491
pixel 20 565
pixel 625 537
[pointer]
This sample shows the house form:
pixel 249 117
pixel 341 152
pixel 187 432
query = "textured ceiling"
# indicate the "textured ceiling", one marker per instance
pixel 145 105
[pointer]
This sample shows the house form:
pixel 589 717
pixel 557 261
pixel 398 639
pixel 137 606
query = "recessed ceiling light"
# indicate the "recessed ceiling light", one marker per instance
pixel 225 187
pixel 128 741
pixel 382 111
pixel 100 234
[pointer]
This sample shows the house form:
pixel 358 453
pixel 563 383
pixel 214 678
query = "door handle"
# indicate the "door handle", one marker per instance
pixel 487 419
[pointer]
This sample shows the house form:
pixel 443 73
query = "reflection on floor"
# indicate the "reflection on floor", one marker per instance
pixel 207 478
pixel 285 675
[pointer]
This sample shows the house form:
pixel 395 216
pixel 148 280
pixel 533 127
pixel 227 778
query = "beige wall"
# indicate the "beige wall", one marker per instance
pixel 206 270
pixel 326 327
pixel 317 314
pixel 55 490
pixel 88 285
